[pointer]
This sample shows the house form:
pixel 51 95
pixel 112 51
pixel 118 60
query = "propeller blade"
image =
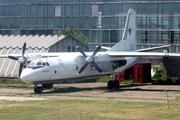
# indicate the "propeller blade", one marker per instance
pixel 82 68
pixel 12 57
pixel 20 69
pixel 97 50
pixel 80 50
pixel 24 49
pixel 97 67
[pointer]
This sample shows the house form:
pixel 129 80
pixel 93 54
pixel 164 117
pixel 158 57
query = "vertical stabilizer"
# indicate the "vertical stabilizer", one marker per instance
pixel 128 42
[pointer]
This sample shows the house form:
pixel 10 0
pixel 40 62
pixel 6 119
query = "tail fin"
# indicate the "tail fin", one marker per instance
pixel 128 42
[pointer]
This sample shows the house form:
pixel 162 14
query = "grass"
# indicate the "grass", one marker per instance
pixel 13 83
pixel 87 110
pixel 57 109
pixel 10 81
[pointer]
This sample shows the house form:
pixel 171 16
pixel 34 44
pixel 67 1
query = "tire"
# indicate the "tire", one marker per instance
pixel 116 85
pixel 38 90
pixel 110 85
pixel 47 86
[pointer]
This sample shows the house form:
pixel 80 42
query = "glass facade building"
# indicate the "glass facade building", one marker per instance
pixel 102 21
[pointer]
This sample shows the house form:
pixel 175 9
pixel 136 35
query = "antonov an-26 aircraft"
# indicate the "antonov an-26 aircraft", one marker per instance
pixel 47 69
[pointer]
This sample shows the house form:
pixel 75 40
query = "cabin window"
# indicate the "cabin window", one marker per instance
pixel 47 64
pixel 38 63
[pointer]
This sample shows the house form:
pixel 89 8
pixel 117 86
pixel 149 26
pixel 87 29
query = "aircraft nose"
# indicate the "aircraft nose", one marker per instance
pixel 26 75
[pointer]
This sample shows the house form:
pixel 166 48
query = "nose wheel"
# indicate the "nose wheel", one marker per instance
pixel 38 89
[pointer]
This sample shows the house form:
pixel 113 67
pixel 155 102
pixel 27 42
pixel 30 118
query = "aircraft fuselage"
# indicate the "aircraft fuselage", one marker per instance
pixel 66 66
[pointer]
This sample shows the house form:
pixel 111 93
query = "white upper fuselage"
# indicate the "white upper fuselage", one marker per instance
pixel 66 66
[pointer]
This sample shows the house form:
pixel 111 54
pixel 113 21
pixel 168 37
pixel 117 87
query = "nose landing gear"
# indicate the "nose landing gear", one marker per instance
pixel 39 89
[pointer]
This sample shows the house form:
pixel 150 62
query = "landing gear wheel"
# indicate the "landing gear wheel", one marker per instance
pixel 110 84
pixel 47 86
pixel 38 90
pixel 116 85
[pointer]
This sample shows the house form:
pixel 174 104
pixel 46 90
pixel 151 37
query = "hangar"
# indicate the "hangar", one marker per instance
pixel 35 44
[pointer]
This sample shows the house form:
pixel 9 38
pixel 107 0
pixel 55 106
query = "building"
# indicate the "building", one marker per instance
pixel 102 21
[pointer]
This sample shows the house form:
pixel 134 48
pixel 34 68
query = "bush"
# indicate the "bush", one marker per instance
pixel 158 79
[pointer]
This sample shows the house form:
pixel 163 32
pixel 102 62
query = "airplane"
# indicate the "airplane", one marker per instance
pixel 45 69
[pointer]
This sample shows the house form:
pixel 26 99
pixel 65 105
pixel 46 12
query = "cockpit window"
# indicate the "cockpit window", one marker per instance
pixel 38 63
pixel 32 63
pixel 43 64
pixel 47 64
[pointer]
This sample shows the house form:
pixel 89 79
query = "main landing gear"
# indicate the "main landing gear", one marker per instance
pixel 39 89
pixel 113 84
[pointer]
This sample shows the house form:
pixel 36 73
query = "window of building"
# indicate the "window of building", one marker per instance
pixel 75 10
pixel 105 22
pixel 7 1
pixel 75 24
pixel 87 10
pixel 175 8
pixel 24 10
pixel 153 8
pixel 58 23
pixel 58 10
pixel 94 23
pixel 166 8
pixel 106 9
pixel 50 10
pixel 50 1
pixel 57 1
pixel 160 8
pixel 40 23
pixel 2 10
pixel 33 10
pixel 86 23
pixel 7 10
pixel 165 23
pixel 16 10
pixel 144 8
pixel 68 10
pixel 124 8
pixel 33 23
pixel 114 36
pixel 40 10
pixel 95 10
pixel 153 23
pixel 105 36
pixel 134 6
pixel 113 22
pixel 153 37
pixel 159 22
pixel 68 22
pixel 6 23
pixel 1 23
pixel 114 9
pixel 15 23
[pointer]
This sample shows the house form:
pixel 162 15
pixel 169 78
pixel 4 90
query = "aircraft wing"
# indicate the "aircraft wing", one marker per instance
pixel 142 54
pixel 154 48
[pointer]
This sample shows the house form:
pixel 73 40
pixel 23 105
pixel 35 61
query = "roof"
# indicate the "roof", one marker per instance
pixel 31 41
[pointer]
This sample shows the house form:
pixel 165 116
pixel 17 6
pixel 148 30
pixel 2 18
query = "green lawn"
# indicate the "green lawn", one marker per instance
pixel 87 110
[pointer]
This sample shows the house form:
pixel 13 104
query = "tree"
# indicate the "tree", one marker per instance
pixel 79 36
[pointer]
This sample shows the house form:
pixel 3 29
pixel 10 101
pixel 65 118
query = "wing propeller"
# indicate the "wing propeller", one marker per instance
pixel 21 60
pixel 89 60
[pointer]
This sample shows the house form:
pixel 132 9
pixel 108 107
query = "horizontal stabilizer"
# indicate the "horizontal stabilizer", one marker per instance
pixel 142 54
pixel 154 48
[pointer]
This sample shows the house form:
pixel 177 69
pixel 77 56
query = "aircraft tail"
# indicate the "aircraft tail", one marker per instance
pixel 128 42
